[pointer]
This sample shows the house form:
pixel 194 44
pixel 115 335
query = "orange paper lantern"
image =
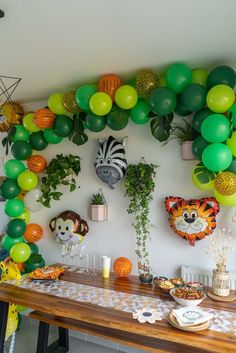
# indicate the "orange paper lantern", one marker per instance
pixel 122 267
pixel 44 118
pixel 33 233
pixel 37 163
pixel 109 84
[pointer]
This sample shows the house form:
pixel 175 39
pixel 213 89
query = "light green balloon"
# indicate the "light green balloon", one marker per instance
pixel 200 76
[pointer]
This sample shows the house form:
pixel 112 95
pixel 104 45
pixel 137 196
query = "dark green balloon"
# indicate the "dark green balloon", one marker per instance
pixel 21 134
pixel 63 125
pixel 181 109
pixel 34 248
pixel 10 189
pixel 37 141
pixel 193 98
pixel 221 75
pixel 95 123
pixel 232 167
pixel 139 114
pixel 16 228
pixel 34 261
pixel 51 137
pixel 199 117
pixel 117 119
pixel 198 146
pixel 163 101
pixel 21 150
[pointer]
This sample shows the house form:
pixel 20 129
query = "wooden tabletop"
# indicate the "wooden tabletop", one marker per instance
pixel 161 334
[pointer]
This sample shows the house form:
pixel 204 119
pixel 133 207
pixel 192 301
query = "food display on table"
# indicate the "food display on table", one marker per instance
pixel 166 286
pixel 158 279
pixel 177 281
pixel 196 285
pixel 187 296
pixel 46 273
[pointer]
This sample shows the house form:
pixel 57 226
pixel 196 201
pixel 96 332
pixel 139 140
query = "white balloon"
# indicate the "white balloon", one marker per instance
pixel 31 200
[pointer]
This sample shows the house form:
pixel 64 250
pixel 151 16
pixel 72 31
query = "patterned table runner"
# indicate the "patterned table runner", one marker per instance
pixel 223 321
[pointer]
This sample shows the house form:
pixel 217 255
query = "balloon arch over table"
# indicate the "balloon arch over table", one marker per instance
pixel 145 99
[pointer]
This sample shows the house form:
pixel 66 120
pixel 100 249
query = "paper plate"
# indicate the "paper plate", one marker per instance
pixel 171 319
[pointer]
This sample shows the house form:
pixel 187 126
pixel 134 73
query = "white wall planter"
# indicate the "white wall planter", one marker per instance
pixel 186 150
pixel 99 213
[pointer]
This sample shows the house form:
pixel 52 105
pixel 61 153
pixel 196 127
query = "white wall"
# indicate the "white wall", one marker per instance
pixel 116 237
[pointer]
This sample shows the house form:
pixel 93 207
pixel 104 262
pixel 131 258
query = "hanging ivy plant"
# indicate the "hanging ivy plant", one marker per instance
pixel 139 187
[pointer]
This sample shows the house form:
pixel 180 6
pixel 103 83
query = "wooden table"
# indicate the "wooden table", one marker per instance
pixel 118 325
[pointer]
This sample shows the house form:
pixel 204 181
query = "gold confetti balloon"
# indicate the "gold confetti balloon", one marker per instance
pixel 225 183
pixel 146 82
pixel 69 102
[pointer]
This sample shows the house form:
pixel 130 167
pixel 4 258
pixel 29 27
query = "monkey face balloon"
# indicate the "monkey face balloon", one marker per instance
pixel 69 228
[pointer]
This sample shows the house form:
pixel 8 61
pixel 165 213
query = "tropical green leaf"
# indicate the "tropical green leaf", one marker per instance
pixel 203 174
pixel 161 126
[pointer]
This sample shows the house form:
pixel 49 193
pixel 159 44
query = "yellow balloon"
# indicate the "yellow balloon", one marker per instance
pixel 199 76
pixel 225 200
pixel 126 97
pixel 220 98
pixel 100 103
pixel 56 104
pixel 199 185
pixel 25 216
pixel 28 122
pixel 231 143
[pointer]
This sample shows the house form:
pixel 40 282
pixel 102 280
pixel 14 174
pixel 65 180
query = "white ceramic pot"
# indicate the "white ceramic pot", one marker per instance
pixel 99 213
pixel 186 150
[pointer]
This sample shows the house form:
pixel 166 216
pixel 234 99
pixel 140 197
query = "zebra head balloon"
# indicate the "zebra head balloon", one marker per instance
pixel 111 164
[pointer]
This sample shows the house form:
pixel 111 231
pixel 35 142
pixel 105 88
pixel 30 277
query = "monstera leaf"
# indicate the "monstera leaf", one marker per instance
pixel 161 126
pixel 7 141
pixel 77 135
pixel 203 174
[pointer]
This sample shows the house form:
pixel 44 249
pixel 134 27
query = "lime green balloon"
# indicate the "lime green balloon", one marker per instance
pixel 202 186
pixel 28 122
pixel 25 216
pixel 27 180
pixel 21 134
pixel 10 189
pixel 139 114
pixel 51 137
pixel 200 76
pixel 100 103
pixel 55 103
pixel 215 128
pixel 126 97
pixel 220 98
pixel 95 123
pixel 225 200
pixel 83 95
pixel 14 207
pixel 16 228
pixel 231 143
pixel 20 252
pixel 8 242
pixel 37 141
pixel 21 150
pixel 13 168
pixel 178 76
pixel 117 119
pixel 217 157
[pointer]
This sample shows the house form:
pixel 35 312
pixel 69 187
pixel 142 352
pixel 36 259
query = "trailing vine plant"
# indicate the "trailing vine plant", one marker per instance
pixel 139 187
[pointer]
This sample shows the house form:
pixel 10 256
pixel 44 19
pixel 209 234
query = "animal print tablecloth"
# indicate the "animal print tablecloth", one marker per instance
pixel 223 321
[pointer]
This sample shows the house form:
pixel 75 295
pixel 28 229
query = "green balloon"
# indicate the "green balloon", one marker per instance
pixel 21 150
pixel 232 115
pixel 34 261
pixel 83 95
pixel 232 167
pixel 13 168
pixel 215 128
pixel 180 108
pixel 8 242
pixel 37 141
pixel 21 134
pixel 198 146
pixel 139 114
pixel 217 157
pixel 199 117
pixel 200 76
pixel 20 252
pixel 51 137
pixel 193 97
pixel 95 123
pixel 10 189
pixel 16 228
pixel 34 248
pixel 117 119
pixel 14 207
pixel 63 125
pixel 162 101
pixel 221 75
pixel 178 77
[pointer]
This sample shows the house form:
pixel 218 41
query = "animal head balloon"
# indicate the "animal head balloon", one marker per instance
pixel 192 219
pixel 111 164
pixel 69 228
pixel 11 113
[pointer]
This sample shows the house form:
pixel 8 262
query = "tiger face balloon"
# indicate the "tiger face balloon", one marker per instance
pixel 192 219
pixel 111 164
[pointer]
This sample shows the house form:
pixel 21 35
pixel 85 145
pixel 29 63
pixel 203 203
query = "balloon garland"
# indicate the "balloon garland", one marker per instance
pixel 210 96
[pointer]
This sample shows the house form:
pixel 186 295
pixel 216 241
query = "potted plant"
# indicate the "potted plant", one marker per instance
pixel 139 187
pixel 98 207
pixel 60 171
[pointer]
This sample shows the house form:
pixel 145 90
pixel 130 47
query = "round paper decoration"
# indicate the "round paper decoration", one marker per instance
pixel 122 267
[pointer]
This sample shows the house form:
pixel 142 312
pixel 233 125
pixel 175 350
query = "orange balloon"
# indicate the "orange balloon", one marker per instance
pixel 109 84
pixel 33 233
pixel 37 163
pixel 20 265
pixel 44 118
pixel 122 267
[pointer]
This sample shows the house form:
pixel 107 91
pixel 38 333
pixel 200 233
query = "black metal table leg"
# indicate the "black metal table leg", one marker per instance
pixel 3 323
pixel 63 338
pixel 42 344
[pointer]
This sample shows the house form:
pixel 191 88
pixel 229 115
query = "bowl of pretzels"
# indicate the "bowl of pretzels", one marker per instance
pixel 187 296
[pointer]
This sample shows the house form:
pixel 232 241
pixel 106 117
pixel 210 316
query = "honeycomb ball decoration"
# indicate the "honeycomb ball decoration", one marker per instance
pixel 146 82
pixel 225 183
pixel 122 267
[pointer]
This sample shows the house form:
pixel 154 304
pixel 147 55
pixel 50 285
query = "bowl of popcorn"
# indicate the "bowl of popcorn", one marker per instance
pixel 187 296
pixel 165 286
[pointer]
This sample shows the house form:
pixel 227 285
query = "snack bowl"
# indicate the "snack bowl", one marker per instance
pixel 185 296
pixel 165 286
pixel 196 285
pixel 158 279
pixel 177 281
